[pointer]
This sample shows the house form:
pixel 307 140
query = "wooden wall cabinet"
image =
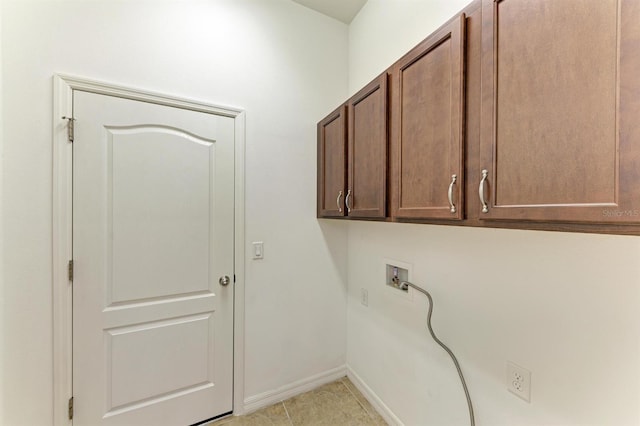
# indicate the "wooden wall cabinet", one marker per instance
pixel 427 147
pixel 356 132
pixel 560 134
pixel 534 106
pixel 332 163
pixel 367 148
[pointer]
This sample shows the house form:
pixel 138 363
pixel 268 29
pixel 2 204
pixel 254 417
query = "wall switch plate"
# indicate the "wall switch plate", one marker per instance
pixel 258 250
pixel 519 381
pixel 364 297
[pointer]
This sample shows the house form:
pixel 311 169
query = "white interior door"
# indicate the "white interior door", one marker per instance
pixel 153 231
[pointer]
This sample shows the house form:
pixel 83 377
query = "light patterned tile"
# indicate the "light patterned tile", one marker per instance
pixel 274 415
pixel 227 421
pixel 377 418
pixel 329 405
pixel 335 404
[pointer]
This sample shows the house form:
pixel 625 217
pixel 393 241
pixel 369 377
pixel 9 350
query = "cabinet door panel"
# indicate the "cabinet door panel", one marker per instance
pixel 368 151
pixel 551 110
pixel 332 164
pixel 427 120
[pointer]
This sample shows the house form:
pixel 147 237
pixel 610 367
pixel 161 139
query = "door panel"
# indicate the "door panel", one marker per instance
pixel 332 164
pixel 551 140
pixel 153 230
pixel 367 188
pixel 427 129
pixel 160 200
pixel 550 104
pixel 135 354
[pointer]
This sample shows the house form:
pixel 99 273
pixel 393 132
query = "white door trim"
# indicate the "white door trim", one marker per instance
pixel 63 87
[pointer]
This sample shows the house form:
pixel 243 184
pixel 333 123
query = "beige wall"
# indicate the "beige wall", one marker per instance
pixel 564 306
pixel 268 57
pixel 2 299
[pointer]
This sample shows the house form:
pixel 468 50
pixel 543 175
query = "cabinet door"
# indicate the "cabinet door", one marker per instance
pixel 427 128
pixel 560 139
pixel 332 163
pixel 367 186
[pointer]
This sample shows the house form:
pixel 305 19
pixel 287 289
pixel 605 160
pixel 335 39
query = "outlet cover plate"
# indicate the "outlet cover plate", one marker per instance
pixel 519 381
pixel 364 297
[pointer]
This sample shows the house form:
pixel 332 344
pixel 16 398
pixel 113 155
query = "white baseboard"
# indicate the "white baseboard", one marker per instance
pixel 265 399
pixel 373 399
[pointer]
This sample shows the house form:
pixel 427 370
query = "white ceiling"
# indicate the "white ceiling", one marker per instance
pixel 342 10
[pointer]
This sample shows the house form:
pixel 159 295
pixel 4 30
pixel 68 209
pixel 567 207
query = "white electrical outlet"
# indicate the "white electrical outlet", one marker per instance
pixel 364 296
pixel 519 381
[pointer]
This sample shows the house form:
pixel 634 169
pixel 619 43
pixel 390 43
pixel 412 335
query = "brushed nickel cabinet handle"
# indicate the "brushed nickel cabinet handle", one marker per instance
pixel 454 178
pixel 338 202
pixel 485 206
pixel 346 201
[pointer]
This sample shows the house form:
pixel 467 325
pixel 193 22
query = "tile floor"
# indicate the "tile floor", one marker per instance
pixel 335 404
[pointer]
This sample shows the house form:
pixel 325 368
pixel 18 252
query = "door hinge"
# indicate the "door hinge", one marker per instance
pixel 71 408
pixel 70 127
pixel 70 270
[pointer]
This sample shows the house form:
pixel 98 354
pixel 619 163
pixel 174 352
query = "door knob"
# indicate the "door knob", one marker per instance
pixel 224 281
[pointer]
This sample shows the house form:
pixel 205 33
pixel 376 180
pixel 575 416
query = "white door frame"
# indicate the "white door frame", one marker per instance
pixel 63 87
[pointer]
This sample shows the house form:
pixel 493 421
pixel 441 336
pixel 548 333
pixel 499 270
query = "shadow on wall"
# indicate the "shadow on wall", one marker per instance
pixel 558 304
pixel 334 234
